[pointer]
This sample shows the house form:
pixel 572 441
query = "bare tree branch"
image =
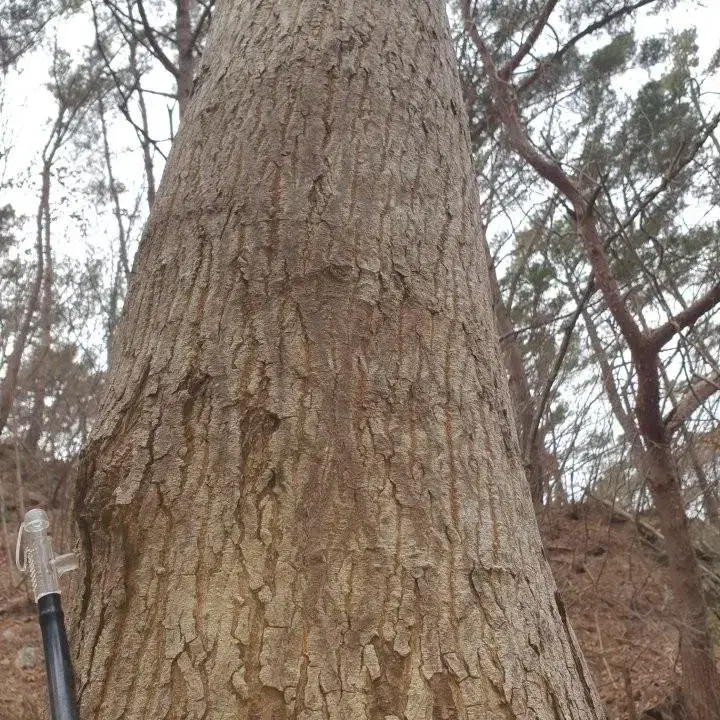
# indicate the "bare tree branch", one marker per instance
pixel 663 334
pixel 505 105
pixel 200 25
pixel 698 392
pixel 152 40
pixel 588 30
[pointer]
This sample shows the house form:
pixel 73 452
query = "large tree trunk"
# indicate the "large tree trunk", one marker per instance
pixel 304 498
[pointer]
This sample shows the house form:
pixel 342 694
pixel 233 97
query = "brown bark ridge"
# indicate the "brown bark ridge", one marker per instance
pixel 304 497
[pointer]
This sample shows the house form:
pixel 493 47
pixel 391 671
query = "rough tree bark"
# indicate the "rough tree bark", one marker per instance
pixel 304 497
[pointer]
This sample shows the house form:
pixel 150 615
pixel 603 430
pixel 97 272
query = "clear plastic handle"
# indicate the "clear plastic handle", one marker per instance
pixel 65 563
pixel 39 560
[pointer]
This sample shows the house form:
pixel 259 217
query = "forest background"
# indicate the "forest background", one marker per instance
pixel 621 96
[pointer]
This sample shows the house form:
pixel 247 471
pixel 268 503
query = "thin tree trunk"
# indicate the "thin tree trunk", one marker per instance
pixel 122 269
pixel 9 559
pixel 304 497
pixel 40 368
pixel 522 401
pixel 112 187
pixel 8 387
pixel 44 278
pixel 707 488
pixel 706 492
pixel 186 63
pixel 19 486
pixel 711 504
pixel 144 131
pixel 612 392
pixel 696 648
pixel 146 149
pixel 697 655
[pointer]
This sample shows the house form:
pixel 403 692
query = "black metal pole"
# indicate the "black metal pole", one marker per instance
pixel 60 679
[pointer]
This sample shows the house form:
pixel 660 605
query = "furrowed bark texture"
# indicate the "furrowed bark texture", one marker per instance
pixel 305 498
